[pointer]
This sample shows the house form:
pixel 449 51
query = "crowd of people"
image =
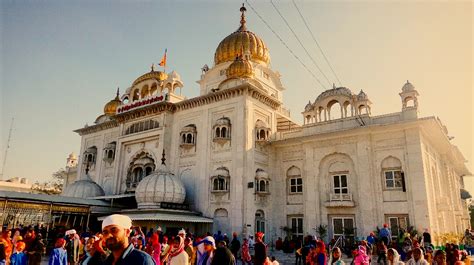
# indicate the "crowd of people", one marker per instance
pixel 121 243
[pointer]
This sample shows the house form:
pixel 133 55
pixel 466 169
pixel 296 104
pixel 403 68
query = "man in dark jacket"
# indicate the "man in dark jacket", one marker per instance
pixel 116 231
pixel 235 245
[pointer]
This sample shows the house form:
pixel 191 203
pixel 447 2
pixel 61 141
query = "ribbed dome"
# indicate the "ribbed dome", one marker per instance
pixel 84 188
pixel 231 46
pixel 240 68
pixel 158 75
pixel 160 186
pixel 111 107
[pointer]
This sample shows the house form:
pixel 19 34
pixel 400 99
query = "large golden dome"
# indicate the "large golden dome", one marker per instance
pixel 241 67
pixel 232 45
pixel 111 107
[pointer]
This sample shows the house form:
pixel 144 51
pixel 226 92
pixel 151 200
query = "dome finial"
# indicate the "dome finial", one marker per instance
pixel 163 159
pixel 242 18
pixel 152 67
pixel 118 92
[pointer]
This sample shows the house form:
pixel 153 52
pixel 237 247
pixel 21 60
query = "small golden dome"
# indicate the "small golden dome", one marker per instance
pixel 111 107
pixel 230 46
pixel 241 67
pixel 151 75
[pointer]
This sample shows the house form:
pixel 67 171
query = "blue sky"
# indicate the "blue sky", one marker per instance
pixel 61 61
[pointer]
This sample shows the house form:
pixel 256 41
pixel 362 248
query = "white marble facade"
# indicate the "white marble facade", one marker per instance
pixel 246 164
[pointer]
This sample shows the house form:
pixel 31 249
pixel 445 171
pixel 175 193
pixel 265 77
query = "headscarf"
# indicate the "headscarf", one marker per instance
pixel 396 256
pixel 362 257
pixel 60 243
pixel 201 253
pixel 175 251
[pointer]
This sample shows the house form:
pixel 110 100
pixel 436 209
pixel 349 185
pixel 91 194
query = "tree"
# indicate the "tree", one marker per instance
pixel 53 186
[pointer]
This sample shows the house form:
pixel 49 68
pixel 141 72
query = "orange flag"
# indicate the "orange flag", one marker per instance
pixel 163 60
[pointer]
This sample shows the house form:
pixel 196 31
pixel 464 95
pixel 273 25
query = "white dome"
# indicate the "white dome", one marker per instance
pixel 84 188
pixel 160 186
pixel 261 174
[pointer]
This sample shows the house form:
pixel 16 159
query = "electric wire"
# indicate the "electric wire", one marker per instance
pixel 301 43
pixel 284 44
pixel 315 40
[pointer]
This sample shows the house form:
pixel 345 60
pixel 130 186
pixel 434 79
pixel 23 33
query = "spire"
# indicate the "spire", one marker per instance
pixel 118 93
pixel 163 159
pixel 242 18
pixel 152 67
pixel 87 168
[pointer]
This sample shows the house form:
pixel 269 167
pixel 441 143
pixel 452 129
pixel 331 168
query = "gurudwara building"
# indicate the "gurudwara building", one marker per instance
pixel 232 159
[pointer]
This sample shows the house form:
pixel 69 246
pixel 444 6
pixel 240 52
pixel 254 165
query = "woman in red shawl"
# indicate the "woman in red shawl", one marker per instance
pixel 7 242
pixel 155 248
pixel 246 258
pixel 177 255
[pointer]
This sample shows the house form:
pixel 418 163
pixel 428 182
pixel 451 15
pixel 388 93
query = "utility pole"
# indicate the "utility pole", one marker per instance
pixel 6 149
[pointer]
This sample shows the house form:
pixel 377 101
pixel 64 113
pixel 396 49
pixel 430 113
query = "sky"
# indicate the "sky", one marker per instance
pixel 61 61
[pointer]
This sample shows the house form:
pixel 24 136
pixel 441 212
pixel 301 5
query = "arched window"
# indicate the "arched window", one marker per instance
pixel 220 180
pixel 189 138
pixel 262 181
pixel 392 173
pixel 188 135
pixel 263 186
pixel 262 130
pixel 259 221
pixel 142 126
pixel 141 166
pixel 334 110
pixel 295 181
pixel 222 129
pixel 90 155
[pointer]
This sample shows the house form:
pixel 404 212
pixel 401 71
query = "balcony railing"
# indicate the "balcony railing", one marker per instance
pixel 340 197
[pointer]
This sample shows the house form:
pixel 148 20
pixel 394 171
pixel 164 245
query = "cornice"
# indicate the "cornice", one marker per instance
pixel 160 107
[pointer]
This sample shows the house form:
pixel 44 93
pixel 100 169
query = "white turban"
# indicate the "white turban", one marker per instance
pixel 117 219
pixel 182 231
pixel 71 232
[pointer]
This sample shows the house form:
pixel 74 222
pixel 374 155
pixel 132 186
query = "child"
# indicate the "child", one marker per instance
pixel 19 257
pixel 59 254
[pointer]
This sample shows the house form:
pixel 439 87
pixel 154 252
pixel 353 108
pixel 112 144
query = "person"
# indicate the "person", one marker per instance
pixel 274 261
pixel 317 254
pixel 336 257
pixel 426 238
pixel 177 255
pixel 439 257
pixel 7 242
pixel 155 248
pixel 429 254
pixel 72 247
pixel 95 254
pixel 385 234
pixel 417 258
pixel 35 249
pixel 222 255
pixel 279 244
pixel 182 233
pixel 246 258
pixel 16 237
pixel 393 258
pixel 59 253
pixel 3 256
pixel 381 252
pixel 260 249
pixel 218 237
pixel 188 247
pixel 361 257
pixel 116 231
pixel 19 257
pixel 205 250
pixel 165 248
pixel 234 245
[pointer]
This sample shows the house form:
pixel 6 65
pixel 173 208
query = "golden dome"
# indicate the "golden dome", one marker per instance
pixel 231 46
pixel 241 67
pixel 111 107
pixel 151 75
